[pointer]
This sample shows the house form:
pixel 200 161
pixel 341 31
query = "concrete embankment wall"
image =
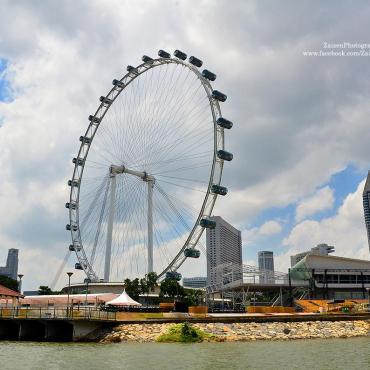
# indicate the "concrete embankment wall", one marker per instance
pixel 48 330
pixel 246 331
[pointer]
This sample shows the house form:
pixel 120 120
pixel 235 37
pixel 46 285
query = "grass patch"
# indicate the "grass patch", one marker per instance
pixel 184 333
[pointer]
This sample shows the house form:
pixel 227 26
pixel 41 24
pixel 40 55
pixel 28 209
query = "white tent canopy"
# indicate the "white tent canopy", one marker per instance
pixel 123 300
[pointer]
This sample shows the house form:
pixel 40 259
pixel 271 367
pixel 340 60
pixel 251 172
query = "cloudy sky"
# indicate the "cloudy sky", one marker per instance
pixel 300 138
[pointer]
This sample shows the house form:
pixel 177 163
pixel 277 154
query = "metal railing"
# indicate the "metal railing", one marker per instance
pixel 72 313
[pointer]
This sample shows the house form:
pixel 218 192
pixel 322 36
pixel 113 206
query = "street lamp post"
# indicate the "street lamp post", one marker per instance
pixel 20 276
pixel 69 288
pixel 87 281
pixel 19 289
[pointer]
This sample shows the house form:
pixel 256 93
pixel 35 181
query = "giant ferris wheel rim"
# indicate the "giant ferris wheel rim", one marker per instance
pixel 98 118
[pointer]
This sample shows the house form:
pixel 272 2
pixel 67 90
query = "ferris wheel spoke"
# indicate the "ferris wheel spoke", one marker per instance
pixel 92 256
pixel 163 117
pixel 173 129
pixel 183 186
pixel 190 116
pixel 183 169
pixel 189 148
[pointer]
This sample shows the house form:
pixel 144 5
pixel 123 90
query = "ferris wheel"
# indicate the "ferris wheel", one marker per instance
pixel 148 171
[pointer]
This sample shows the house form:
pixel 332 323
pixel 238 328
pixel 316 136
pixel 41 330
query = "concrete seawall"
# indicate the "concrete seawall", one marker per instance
pixel 49 329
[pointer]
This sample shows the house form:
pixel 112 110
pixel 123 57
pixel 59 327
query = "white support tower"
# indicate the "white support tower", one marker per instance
pixel 114 170
pixel 150 225
pixel 108 249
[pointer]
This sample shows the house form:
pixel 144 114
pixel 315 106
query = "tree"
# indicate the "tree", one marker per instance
pixel 151 280
pixel 144 287
pixel 132 288
pixel 9 283
pixel 193 297
pixel 45 290
pixel 171 288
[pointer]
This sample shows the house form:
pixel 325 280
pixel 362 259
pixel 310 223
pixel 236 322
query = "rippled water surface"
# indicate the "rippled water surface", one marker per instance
pixel 312 354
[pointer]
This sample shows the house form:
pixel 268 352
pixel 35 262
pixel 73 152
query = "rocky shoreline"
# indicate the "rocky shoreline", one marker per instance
pixel 243 332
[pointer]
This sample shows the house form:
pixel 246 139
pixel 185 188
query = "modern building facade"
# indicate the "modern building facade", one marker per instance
pixel 224 245
pixel 333 277
pixel 195 282
pixel 266 263
pixel 366 205
pixel 11 268
pixel 266 260
pixel 319 250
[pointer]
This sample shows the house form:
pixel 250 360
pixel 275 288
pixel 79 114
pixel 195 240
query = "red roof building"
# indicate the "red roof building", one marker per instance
pixel 8 293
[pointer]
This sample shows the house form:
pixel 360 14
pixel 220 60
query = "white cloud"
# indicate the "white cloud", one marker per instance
pixel 322 200
pixel 345 230
pixel 268 228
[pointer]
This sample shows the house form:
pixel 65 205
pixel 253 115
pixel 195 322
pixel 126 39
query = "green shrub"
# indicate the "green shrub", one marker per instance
pixel 184 333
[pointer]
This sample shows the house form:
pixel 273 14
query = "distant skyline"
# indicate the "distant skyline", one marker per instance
pixel 300 135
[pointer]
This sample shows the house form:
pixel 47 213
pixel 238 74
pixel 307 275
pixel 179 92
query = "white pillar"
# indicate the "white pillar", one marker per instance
pixel 150 225
pixel 108 248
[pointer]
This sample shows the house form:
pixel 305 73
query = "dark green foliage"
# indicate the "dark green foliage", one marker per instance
pixel 171 288
pixel 151 281
pixel 45 290
pixel 193 297
pixel 184 333
pixel 145 285
pixel 133 288
pixel 9 282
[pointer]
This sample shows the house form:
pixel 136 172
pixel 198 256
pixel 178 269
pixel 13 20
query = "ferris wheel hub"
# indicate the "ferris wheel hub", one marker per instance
pixel 116 170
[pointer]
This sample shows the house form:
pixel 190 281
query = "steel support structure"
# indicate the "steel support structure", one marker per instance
pixel 115 170
pixel 150 225
pixel 112 204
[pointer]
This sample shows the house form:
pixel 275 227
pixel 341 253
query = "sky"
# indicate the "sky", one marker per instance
pixel 300 136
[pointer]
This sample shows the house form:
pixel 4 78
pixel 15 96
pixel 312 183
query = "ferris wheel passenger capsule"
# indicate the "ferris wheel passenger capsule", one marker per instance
pixel 208 224
pixel 179 54
pixel 173 275
pixel 195 61
pixel 147 59
pixel 219 95
pixel 105 100
pixel 164 54
pixel 223 154
pixel 74 183
pixel 70 227
pixel 94 119
pixel 71 205
pixel 74 247
pixel 192 253
pixel 78 266
pixel 85 139
pixel 218 189
pixel 131 69
pixel 208 75
pixel 78 161
pixel 223 122
pixel 118 83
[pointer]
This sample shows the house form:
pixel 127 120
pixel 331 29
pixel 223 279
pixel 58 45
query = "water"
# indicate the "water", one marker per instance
pixel 301 354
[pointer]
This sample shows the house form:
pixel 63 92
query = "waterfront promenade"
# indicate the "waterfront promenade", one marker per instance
pixel 89 324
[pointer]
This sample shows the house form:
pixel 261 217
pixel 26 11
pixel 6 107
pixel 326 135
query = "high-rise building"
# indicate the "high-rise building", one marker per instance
pixel 266 260
pixel 194 282
pixel 11 268
pixel 319 250
pixel 366 204
pixel 224 244
pixel 266 265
